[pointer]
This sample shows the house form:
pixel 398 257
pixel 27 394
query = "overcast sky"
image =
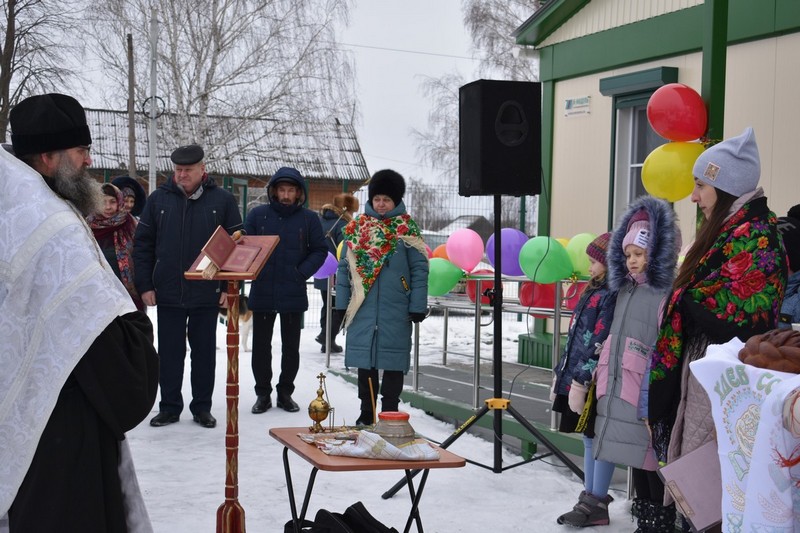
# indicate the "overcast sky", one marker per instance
pixel 395 43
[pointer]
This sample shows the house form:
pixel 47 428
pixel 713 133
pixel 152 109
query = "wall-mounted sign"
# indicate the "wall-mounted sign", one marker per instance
pixel 577 106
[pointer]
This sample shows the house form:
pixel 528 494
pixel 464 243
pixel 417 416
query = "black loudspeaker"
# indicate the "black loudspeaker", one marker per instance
pixel 500 124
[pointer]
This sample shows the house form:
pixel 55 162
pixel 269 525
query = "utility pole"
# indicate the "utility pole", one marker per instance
pixel 153 103
pixel 131 123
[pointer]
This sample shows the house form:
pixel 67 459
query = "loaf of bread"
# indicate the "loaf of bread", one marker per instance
pixel 777 349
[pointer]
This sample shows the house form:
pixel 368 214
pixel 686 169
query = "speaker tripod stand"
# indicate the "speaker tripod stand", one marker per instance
pixel 497 404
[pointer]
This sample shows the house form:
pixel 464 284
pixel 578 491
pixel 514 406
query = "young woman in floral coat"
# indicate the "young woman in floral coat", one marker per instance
pixel 730 285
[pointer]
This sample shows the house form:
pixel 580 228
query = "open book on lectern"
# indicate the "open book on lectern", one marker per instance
pixel 245 256
pixel 227 254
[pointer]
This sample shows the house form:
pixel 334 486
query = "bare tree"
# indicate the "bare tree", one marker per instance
pixel 428 209
pixel 36 46
pixel 223 63
pixel 490 23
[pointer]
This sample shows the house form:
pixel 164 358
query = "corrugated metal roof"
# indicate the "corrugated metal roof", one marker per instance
pixel 234 147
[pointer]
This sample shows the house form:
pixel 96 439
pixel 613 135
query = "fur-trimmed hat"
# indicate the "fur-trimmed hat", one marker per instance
pixel 387 182
pixel 732 166
pixel 789 229
pixel 129 186
pixel 48 122
pixel 346 201
pixel 597 248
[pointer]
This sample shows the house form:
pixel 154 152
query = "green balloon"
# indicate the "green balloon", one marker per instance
pixel 443 276
pixel 544 260
pixel 576 248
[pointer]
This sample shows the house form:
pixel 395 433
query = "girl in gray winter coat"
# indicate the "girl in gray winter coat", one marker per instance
pixel 641 266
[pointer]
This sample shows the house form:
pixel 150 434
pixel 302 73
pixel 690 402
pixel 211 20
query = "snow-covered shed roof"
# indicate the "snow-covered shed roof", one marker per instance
pixel 234 147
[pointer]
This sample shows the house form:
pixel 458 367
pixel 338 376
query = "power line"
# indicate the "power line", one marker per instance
pixel 407 51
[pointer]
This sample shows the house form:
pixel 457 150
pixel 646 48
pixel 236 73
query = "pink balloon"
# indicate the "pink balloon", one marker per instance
pixel 328 267
pixel 465 249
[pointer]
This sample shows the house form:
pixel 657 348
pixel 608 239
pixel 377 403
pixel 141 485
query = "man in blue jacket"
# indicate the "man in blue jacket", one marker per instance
pixel 281 286
pixel 178 219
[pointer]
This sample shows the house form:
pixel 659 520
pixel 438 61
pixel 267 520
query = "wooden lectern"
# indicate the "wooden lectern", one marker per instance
pixel 230 515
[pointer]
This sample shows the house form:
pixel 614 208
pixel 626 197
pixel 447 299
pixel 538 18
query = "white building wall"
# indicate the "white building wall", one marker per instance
pixel 582 152
pixel 761 91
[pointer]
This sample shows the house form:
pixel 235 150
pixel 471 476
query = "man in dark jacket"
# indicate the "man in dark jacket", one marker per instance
pixel 78 368
pixel 281 286
pixel 178 219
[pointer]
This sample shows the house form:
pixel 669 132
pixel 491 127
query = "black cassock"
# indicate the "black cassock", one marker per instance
pixel 73 483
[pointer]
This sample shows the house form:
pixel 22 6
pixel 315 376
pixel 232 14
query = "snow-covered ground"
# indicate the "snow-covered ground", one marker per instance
pixel 181 467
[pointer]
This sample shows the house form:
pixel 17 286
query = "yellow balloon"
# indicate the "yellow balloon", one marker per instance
pixel 563 241
pixel 667 171
pixel 339 251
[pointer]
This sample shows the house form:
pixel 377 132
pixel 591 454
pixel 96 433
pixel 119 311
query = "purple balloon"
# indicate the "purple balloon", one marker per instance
pixel 512 241
pixel 328 268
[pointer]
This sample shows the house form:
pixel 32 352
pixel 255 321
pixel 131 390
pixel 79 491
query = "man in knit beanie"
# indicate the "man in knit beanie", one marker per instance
pixel 732 166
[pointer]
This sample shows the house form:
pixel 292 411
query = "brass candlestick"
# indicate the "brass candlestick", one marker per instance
pixel 319 408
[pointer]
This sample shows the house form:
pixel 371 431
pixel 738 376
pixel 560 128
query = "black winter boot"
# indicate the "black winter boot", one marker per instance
pixel 654 517
pixel 663 519
pixel 636 508
pixel 366 419
pixel 644 511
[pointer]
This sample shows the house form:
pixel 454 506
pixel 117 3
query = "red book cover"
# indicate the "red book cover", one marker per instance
pixel 240 258
pixel 219 246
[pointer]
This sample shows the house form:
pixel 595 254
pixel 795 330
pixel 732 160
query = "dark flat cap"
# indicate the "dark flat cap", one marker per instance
pixel 188 155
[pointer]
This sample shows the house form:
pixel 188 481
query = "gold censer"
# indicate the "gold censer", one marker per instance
pixel 319 408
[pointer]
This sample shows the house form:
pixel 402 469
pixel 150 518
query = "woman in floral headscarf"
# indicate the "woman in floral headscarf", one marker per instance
pixel 731 284
pixel 114 228
pixel 382 282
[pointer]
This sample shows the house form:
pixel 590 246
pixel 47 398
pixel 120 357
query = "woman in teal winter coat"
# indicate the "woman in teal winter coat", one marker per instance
pixel 382 282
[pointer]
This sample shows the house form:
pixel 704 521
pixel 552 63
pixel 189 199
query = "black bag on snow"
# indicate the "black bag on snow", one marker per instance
pixel 360 521
pixel 324 522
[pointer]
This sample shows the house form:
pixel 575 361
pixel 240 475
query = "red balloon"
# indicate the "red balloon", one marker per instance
pixel 485 284
pixel 677 112
pixel 572 293
pixel 534 294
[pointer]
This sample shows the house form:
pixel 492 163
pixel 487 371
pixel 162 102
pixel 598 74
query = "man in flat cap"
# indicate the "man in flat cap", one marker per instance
pixel 78 368
pixel 178 219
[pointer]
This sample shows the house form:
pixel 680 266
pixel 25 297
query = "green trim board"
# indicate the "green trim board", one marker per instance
pixel 636 82
pixel 748 19
pixel 668 35
pixel 548 125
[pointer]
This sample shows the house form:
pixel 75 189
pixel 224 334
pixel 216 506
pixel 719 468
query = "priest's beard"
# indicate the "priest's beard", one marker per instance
pixel 77 186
